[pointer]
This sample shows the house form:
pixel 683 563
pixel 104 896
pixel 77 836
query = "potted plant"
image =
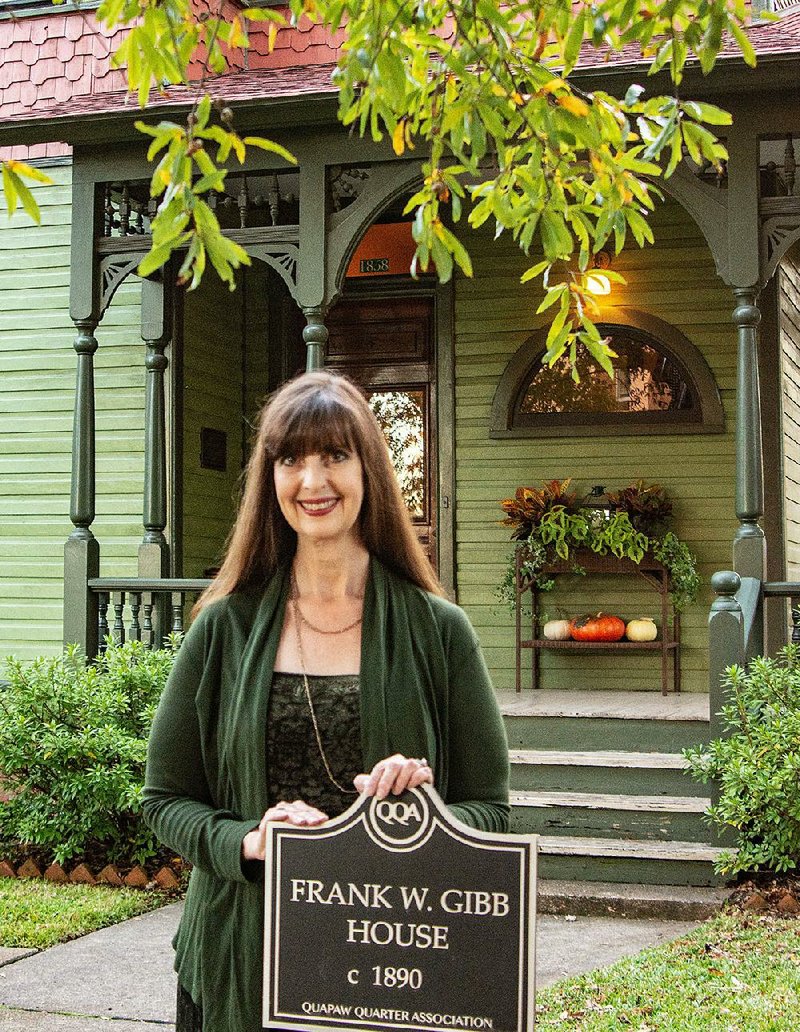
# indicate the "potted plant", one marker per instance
pixel 550 524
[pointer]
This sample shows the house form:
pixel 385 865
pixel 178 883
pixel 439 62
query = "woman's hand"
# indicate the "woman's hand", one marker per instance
pixel 298 813
pixel 394 774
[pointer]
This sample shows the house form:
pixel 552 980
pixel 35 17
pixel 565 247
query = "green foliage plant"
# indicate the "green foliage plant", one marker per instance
pixel 485 90
pixel 756 765
pixel 73 739
pixel 550 525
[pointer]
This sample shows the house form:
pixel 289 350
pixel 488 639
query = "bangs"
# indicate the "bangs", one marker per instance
pixel 319 424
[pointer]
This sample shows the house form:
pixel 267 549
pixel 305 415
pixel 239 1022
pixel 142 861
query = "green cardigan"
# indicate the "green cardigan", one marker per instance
pixel 425 691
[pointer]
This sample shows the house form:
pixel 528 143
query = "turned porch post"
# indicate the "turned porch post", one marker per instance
pixel 749 543
pixel 315 337
pixel 153 558
pixel 82 551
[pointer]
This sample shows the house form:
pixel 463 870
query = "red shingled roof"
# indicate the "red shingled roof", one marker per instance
pixel 57 66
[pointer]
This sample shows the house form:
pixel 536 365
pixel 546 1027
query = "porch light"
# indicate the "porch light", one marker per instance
pixel 596 282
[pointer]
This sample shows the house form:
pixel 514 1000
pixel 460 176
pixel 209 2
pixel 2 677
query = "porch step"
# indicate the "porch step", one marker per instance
pixel 651 773
pixel 607 815
pixel 583 720
pixel 627 860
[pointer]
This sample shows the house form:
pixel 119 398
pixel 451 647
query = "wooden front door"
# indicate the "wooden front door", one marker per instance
pixel 387 346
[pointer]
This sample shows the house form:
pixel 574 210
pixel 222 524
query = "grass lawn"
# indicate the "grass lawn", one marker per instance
pixel 732 974
pixel 39 914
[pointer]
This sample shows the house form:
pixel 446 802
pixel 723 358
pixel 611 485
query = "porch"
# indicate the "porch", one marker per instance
pixel 605 811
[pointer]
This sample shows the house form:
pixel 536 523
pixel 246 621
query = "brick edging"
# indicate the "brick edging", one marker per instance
pixel 136 878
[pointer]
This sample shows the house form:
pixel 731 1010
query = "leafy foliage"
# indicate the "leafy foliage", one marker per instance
pixel 647 506
pixel 551 525
pixel 73 741
pixel 17 192
pixel 756 764
pixel 485 90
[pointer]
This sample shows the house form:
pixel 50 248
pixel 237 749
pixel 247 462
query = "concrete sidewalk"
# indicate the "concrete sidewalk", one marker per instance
pixel 120 979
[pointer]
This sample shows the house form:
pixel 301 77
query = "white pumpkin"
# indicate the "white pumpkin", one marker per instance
pixel 556 630
pixel 643 629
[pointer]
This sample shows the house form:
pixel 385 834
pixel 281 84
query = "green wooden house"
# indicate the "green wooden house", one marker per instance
pixel 126 406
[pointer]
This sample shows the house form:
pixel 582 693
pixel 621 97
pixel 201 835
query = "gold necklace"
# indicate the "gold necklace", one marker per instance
pixel 329 772
pixel 303 619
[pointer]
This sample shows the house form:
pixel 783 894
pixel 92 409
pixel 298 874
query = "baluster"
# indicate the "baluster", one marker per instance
pixel 789 165
pixel 134 629
pixel 119 626
pixel 177 612
pixel 102 619
pixel 244 204
pixel 140 219
pixel 274 199
pixel 125 211
pixel 147 620
pixel 795 609
pixel 152 210
pixel 108 211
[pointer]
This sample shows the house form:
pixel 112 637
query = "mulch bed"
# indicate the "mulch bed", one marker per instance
pixel 166 871
pixel 768 894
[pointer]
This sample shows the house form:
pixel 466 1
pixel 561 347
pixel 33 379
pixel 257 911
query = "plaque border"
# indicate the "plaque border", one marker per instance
pixel 440 817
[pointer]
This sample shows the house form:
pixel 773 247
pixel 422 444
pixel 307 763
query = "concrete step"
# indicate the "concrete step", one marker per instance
pixel 647 862
pixel 648 773
pixel 610 815
pixel 610 899
pixel 584 720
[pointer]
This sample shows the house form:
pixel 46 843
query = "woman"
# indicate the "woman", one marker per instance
pixel 324 662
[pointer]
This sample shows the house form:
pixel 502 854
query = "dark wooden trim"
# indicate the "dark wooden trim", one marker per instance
pixel 674 343
pixel 175 432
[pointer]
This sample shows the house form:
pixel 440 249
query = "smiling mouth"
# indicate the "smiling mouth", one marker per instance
pixel 319 507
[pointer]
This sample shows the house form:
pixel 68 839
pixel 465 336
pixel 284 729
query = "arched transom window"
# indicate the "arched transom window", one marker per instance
pixel 658 386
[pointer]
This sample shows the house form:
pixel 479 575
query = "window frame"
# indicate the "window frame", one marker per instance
pixel 705 416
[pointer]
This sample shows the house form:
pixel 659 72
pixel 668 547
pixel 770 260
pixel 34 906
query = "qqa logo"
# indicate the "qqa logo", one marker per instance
pixel 400 822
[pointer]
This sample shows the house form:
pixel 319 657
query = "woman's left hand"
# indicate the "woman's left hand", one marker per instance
pixel 395 774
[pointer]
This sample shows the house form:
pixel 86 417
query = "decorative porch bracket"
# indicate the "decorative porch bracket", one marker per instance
pixel 153 559
pixel 82 551
pixel 749 543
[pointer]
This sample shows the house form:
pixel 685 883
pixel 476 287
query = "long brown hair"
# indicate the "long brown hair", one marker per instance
pixel 316 413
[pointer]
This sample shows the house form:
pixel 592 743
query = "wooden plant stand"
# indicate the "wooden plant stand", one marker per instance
pixel 650 569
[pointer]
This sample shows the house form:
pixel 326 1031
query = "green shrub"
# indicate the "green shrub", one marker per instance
pixel 73 740
pixel 757 765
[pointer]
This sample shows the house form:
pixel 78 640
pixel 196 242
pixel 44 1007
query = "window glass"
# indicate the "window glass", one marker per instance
pixel 646 381
pixel 402 417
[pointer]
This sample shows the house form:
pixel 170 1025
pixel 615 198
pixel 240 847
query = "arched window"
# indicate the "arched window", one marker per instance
pixel 661 384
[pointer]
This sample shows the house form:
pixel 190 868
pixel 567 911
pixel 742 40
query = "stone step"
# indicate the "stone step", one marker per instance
pixel 594 859
pixel 610 899
pixel 647 773
pixel 610 815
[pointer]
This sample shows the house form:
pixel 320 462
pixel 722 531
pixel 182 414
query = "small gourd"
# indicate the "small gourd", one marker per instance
pixel 643 629
pixel 557 630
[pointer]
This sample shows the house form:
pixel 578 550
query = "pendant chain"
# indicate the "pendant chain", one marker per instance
pixel 298 619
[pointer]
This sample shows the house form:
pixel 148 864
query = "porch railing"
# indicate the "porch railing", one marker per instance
pixel 138 609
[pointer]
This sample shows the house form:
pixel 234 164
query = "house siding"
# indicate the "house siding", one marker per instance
pixel 494 315
pixel 37 390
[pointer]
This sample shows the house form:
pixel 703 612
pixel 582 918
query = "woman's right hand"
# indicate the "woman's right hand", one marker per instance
pixel 298 813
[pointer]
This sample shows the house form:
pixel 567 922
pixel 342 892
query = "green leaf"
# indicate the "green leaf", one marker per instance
pixel 271 146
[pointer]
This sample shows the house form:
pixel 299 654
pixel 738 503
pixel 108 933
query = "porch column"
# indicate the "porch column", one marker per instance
pixel 154 551
pixel 749 543
pixel 315 336
pixel 82 551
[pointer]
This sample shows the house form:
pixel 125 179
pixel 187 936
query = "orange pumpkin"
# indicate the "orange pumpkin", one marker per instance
pixel 597 627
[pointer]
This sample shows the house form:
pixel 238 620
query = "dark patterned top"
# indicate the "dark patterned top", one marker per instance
pixel 294 766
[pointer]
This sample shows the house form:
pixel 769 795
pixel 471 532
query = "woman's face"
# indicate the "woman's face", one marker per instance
pixel 321 494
